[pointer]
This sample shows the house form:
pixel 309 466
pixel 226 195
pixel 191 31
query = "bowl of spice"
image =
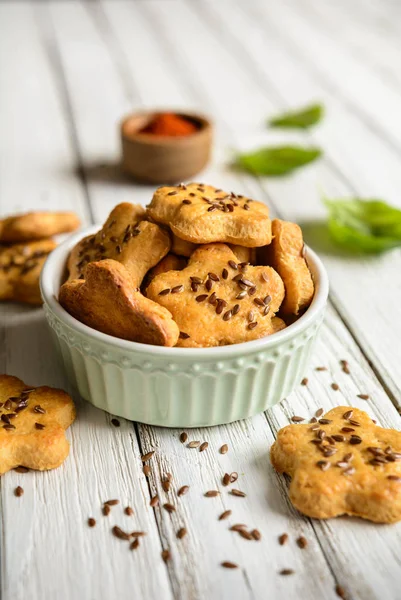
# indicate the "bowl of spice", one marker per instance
pixel 165 147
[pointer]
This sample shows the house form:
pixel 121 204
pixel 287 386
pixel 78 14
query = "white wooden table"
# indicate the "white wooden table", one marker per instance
pixel 69 71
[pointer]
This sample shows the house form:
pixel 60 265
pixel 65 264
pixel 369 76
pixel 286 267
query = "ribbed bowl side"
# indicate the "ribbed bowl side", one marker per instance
pixel 182 393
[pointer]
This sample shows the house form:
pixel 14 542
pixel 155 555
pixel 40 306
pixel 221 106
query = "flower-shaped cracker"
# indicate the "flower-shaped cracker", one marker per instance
pixel 286 255
pixel 36 226
pixel 343 464
pixel 33 424
pixel 202 214
pixel 125 237
pixel 108 300
pixel 20 267
pixel 216 301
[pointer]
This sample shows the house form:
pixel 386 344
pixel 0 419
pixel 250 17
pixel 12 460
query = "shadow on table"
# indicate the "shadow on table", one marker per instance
pixel 107 173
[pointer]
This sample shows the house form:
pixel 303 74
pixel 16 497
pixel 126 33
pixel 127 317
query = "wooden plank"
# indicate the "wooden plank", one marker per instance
pixel 48 551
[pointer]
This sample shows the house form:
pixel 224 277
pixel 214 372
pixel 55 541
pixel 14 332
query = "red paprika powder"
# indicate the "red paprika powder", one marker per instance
pixel 170 125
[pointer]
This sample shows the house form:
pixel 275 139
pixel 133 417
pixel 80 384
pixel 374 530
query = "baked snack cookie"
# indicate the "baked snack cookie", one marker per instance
pixel 108 300
pixel 286 255
pixel 139 245
pixel 202 214
pixel 216 301
pixel 20 267
pixel 170 262
pixel 343 464
pixel 34 421
pixel 36 226
pixel 183 248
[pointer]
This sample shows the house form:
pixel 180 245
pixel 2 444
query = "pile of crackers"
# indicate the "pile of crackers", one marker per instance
pixel 199 267
pixel 25 242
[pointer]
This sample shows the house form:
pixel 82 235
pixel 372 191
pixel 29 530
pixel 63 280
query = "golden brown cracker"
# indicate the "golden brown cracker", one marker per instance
pixel 107 301
pixel 20 267
pixel 344 464
pixel 286 255
pixel 125 237
pixel 33 424
pixel 36 226
pixel 216 302
pixel 202 214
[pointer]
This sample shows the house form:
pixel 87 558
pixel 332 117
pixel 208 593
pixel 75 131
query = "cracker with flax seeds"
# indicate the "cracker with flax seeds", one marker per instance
pixel 183 248
pixel 20 267
pixel 36 226
pixel 125 237
pixel 216 301
pixel 202 214
pixel 344 464
pixel 108 299
pixel 33 424
pixel 286 255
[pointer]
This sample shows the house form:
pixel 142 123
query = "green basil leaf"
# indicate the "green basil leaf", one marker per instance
pixel 299 119
pixel 369 226
pixel 277 160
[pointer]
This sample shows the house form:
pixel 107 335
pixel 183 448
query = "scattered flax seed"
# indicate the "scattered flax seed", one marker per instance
pixel 238 527
pixel 169 507
pixel 229 565
pixel 112 502
pixel 335 387
pixel 319 412
pixel 146 470
pixel 245 534
pixel 91 522
pixel 302 542
pixel 296 419
pixel 119 533
pixel 238 493
pixel 18 491
pixel 255 533
pixel 304 381
pixel 39 426
pixel 183 490
pixel 181 533
pixel 324 421
pixel 321 369
pixel 135 544
pixel 393 477
pixel 106 510
pixel 166 555
pixel 224 449
pixel 164 292
pixel 154 501
pixel 21 469
pixel 340 591
pixel 286 572
pixel 226 479
pixel 283 539
pixel 184 336
pixel 323 465
pixel 115 422
pixel 128 511
pixel 147 456
pixel 233 477
pixel 203 446
pixel 39 409
pixel 212 494
pixel 137 534
pixel 224 515
pixel 193 444
pixel 252 325
pixel 183 437
pixel 363 396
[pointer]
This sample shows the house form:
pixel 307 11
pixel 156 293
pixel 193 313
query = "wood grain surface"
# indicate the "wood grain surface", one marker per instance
pixel 69 71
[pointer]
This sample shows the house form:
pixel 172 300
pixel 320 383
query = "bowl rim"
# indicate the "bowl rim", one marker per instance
pixel 145 138
pixel 54 267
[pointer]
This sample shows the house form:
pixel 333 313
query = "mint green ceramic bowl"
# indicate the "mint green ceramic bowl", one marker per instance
pixel 180 387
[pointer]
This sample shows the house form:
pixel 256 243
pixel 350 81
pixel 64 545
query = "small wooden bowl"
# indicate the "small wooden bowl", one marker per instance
pixel 160 159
